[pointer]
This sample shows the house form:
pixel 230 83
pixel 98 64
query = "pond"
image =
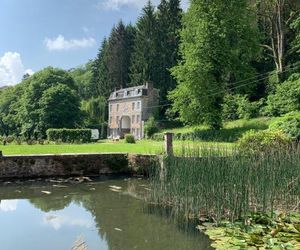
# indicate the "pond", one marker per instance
pixel 102 214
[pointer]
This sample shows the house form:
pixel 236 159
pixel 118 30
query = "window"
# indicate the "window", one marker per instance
pixel 133 131
pixel 138 105
pixel 138 132
pixel 117 119
pixel 117 107
pixel 137 118
pixel 110 120
pixel 133 105
pixel 132 120
pixel 110 107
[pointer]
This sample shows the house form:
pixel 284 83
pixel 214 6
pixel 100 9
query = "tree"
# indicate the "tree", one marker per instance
pixel 275 20
pixel 100 81
pixel 169 16
pixel 218 46
pixel 119 54
pixel 83 80
pixel 30 109
pixel 144 62
pixel 59 107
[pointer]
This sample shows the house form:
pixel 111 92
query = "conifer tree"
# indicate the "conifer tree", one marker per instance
pixel 144 59
pixel 100 72
pixel 169 16
pixel 119 53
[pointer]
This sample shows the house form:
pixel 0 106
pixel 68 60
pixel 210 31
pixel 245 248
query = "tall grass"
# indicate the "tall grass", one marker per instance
pixel 227 185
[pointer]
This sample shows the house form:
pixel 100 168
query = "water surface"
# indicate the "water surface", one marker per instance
pixel 100 215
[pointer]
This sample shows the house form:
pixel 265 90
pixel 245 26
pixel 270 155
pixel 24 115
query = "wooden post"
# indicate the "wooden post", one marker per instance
pixel 1 155
pixel 169 144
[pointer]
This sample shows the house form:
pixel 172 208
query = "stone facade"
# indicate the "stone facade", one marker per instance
pixel 129 108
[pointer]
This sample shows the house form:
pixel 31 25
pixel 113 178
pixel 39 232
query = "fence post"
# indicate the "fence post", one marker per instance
pixel 169 144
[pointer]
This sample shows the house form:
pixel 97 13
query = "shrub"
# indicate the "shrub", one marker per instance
pixel 69 135
pixel 262 141
pixel 288 124
pixel 129 138
pixel 9 139
pixel 239 107
pixel 286 98
pixel 150 127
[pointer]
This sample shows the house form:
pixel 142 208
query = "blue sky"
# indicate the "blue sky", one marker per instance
pixel 60 33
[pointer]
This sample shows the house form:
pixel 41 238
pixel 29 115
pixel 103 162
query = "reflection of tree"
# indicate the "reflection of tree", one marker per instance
pixel 112 210
pixel 139 231
pixel 51 203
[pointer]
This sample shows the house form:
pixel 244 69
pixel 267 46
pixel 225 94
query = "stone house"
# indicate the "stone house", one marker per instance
pixel 129 108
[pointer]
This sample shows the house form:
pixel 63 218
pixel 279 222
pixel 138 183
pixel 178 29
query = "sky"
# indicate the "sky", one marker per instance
pixel 61 33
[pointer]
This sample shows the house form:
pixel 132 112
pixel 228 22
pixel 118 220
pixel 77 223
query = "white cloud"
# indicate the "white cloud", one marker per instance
pixel 57 221
pixel 117 4
pixel 12 69
pixel 8 205
pixel 60 43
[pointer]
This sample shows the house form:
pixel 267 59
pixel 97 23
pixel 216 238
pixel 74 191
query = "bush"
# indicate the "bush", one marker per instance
pixel 239 107
pixel 69 135
pixel 129 138
pixel 288 124
pixel 9 139
pixel 286 98
pixel 262 141
pixel 150 127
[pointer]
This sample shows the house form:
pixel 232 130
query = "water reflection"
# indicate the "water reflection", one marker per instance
pixel 106 219
pixel 8 205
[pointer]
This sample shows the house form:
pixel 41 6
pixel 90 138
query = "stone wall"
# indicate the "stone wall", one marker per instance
pixel 32 166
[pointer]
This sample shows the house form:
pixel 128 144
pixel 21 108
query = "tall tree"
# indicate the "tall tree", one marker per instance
pixel 218 45
pixel 144 62
pixel 169 16
pixel 100 72
pixel 119 54
pixel 275 19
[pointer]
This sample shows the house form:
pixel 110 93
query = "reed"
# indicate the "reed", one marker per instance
pixel 226 185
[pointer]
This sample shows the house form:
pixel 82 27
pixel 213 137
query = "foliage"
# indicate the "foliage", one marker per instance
pixel 150 127
pixel 169 15
pixel 129 138
pixel 218 45
pixel 59 108
pixel 279 232
pixel 239 107
pixel 144 62
pixel 288 124
pixel 69 135
pixel 286 98
pixel 231 132
pixel 263 142
pixel 83 80
pixel 95 111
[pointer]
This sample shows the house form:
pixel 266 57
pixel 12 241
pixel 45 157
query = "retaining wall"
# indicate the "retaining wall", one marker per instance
pixel 32 166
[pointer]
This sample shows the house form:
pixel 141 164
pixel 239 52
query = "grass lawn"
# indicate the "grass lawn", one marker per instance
pixel 230 132
pixel 141 147
pixel 226 137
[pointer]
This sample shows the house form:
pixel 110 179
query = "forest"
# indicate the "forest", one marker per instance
pixel 218 61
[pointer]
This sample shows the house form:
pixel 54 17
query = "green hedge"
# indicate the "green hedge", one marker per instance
pixel 69 135
pixel 222 135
